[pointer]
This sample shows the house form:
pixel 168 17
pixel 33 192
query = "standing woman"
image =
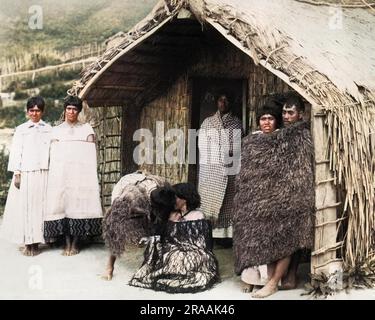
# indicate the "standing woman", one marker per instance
pixel 73 206
pixel 28 159
pixel 269 120
pixel 274 202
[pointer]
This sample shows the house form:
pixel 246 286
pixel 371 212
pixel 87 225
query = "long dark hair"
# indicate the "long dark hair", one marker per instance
pixel 163 202
pixel 188 192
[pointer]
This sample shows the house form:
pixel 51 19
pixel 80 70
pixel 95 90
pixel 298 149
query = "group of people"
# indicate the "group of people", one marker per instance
pixel 267 207
pixel 54 193
pixel 147 209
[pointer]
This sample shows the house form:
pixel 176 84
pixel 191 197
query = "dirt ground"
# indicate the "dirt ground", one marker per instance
pixel 53 276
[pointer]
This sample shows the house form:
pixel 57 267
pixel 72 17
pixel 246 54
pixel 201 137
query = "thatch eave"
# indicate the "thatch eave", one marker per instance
pixel 263 44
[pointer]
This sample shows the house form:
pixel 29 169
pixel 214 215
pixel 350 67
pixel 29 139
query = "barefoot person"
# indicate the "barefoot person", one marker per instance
pixel 269 120
pixel 129 219
pixel 73 203
pixel 293 110
pixel 274 202
pixel 180 260
pixel 28 159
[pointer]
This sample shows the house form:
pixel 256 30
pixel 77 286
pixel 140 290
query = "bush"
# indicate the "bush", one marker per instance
pixel 52 112
pixel 54 91
pixel 12 86
pixel 48 78
pixel 11 117
pixel 20 95
pixel 5 179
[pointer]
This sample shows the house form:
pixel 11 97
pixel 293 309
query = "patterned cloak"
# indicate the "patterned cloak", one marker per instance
pixel 213 170
pixel 274 203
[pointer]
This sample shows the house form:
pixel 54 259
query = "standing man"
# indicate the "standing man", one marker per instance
pixel 293 110
pixel 219 150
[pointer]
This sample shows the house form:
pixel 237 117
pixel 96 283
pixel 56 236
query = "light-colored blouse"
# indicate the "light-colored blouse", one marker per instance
pixel 70 132
pixel 30 147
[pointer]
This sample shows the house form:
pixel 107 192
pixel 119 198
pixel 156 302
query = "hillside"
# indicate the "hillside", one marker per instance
pixel 72 30
pixel 66 24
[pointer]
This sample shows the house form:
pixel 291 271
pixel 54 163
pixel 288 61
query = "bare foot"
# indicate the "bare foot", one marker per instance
pixel 34 252
pixel 107 275
pixel 247 288
pixel 74 251
pixel 35 249
pixel 66 252
pixel 289 283
pixel 266 291
pixel 27 251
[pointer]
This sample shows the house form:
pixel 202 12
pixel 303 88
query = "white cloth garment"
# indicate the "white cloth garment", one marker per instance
pixel 25 207
pixel 69 132
pixel 73 187
pixel 30 147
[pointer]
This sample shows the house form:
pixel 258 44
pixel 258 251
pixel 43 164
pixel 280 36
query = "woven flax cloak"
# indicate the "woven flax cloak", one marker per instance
pixel 275 197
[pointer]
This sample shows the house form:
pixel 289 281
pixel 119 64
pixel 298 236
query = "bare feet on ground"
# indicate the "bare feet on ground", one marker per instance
pixel 74 251
pixel 289 283
pixel 66 251
pixel 269 289
pixel 26 251
pixel 70 251
pixel 107 275
pixel 30 250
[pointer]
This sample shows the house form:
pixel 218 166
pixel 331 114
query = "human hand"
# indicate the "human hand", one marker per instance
pixel 17 181
pixel 175 216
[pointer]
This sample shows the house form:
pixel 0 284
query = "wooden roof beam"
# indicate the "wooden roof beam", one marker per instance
pixel 115 87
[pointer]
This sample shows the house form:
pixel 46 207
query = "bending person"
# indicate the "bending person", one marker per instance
pixel 129 219
pixel 181 259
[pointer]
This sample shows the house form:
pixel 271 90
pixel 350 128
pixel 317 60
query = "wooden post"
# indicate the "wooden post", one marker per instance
pixel 130 123
pixel 323 256
pixel 104 159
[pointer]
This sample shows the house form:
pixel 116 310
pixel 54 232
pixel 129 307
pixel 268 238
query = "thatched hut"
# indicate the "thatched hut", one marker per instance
pixel 167 67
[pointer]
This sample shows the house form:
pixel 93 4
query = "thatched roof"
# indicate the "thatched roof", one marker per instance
pixel 310 33
pixel 331 64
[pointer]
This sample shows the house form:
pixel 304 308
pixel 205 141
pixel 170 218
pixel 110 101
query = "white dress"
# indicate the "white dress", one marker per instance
pixel 25 207
pixel 73 199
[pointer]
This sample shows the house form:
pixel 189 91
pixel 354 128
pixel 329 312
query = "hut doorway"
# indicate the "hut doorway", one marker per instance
pixel 204 92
